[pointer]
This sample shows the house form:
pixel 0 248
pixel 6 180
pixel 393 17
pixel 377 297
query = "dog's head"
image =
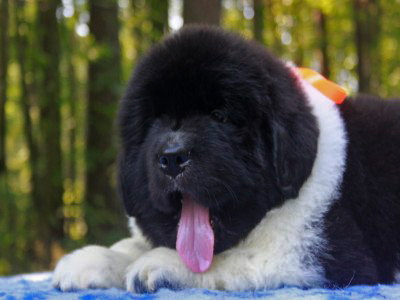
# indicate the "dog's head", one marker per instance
pixel 216 119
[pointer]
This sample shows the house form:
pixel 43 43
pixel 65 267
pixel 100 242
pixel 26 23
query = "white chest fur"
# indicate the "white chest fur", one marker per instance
pixel 284 243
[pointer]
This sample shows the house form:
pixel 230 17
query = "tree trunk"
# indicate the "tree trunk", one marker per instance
pixel 296 32
pixel 71 95
pixel 202 12
pixel 258 20
pixel 21 44
pixel 51 184
pixel 25 100
pixel 137 30
pixel 276 46
pixel 3 81
pixel 103 212
pixel 73 98
pixel 7 203
pixel 323 44
pixel 158 16
pixel 367 32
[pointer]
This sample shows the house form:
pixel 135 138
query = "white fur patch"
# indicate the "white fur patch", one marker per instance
pixel 137 233
pixel 98 267
pixel 281 249
pixel 91 267
pixel 285 237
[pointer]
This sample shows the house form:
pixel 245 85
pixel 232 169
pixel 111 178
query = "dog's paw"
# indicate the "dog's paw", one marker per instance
pixel 159 268
pixel 91 267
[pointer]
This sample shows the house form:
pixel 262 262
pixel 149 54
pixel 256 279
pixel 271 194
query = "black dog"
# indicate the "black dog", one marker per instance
pixel 242 176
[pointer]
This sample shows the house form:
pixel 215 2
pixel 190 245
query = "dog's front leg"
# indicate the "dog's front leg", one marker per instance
pixel 163 268
pixel 98 267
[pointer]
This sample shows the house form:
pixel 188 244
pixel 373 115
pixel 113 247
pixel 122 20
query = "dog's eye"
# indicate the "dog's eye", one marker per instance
pixel 219 116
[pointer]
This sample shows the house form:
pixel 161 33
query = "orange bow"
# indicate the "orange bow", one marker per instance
pixel 330 89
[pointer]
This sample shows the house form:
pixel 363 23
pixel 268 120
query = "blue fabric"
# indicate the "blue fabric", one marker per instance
pixel 38 286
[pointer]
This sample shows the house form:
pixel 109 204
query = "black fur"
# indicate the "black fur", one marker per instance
pixel 259 157
pixel 364 226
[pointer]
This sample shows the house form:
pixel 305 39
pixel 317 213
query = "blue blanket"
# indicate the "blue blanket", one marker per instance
pixel 38 286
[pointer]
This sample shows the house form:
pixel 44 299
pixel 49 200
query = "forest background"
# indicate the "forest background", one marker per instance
pixel 63 68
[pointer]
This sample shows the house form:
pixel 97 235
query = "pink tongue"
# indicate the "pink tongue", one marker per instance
pixel 195 240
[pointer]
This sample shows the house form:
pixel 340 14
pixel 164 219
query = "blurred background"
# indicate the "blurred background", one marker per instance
pixel 63 68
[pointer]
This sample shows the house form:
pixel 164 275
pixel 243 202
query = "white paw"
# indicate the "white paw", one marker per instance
pixel 91 267
pixel 158 268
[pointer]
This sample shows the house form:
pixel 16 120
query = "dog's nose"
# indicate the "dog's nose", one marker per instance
pixel 173 160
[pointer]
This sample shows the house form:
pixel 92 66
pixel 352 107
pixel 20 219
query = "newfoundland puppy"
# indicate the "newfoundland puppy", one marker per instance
pixel 239 175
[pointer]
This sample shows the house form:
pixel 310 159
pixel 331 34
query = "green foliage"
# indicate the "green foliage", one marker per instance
pixel 290 29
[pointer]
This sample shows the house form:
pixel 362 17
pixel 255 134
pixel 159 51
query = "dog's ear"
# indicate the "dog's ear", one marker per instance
pixel 294 152
pixel 124 192
pixel 131 186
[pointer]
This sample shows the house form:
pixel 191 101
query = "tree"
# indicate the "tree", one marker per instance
pixel 49 206
pixel 3 80
pixel 367 37
pixel 258 20
pixel 137 28
pixel 323 43
pixel 202 12
pixel 158 16
pixel 70 93
pixel 271 24
pixel 103 214
pixel 22 44
pixel 144 13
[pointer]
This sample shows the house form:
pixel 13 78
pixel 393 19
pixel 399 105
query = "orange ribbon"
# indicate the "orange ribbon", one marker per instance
pixel 330 89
